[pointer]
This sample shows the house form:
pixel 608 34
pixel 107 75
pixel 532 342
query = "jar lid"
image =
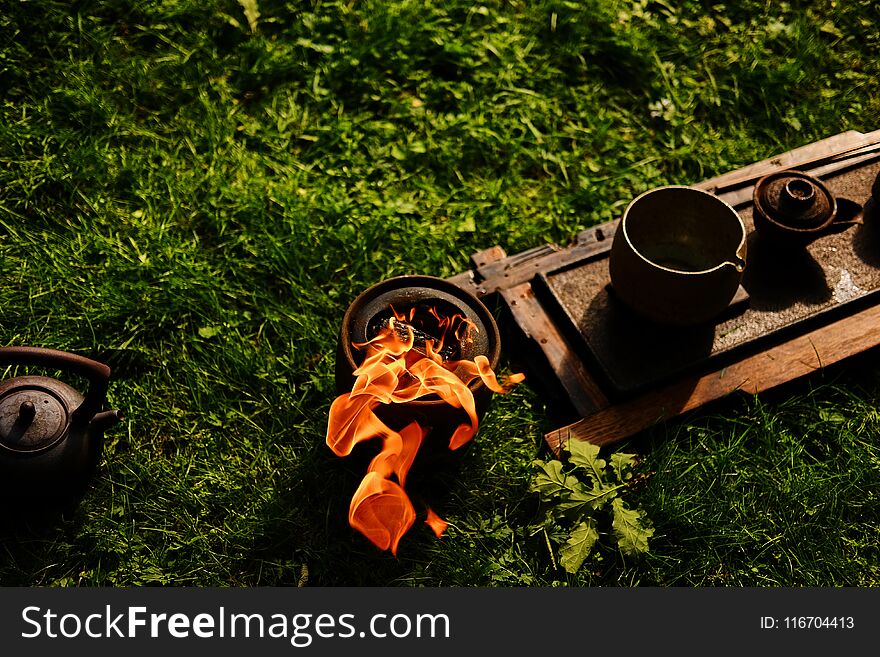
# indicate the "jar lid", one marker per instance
pixel 32 418
pixel 795 201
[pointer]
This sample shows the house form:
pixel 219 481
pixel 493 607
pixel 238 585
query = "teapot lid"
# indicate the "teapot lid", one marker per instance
pixel 796 200
pixel 34 414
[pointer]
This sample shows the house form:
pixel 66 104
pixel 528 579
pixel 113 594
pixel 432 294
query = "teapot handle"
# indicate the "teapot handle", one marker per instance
pixel 98 374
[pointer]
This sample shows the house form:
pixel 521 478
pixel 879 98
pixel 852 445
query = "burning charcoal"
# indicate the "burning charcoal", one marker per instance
pixel 420 338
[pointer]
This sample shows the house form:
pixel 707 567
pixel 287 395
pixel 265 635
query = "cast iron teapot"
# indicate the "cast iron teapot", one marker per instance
pixel 50 434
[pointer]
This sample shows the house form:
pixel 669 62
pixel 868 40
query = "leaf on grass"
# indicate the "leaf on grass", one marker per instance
pixel 577 547
pixel 550 480
pixel 251 12
pixel 793 121
pixel 622 465
pixel 586 456
pixel 830 28
pixel 631 529
pixel 583 500
pixel 831 416
pixel 468 225
pixel 323 48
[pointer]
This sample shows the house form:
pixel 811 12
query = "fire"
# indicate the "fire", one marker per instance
pixel 403 364
pixel 436 523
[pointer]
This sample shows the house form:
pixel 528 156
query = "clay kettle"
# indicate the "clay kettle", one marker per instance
pixel 50 434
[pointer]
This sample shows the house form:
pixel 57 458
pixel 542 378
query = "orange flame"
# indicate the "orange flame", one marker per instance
pixel 436 523
pixel 397 371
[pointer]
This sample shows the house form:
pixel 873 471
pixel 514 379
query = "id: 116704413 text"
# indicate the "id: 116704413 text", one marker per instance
pixel 808 623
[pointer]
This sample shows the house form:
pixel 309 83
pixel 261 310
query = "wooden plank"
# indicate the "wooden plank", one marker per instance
pixel 522 268
pixel 585 395
pixel 465 280
pixel 810 155
pixel 755 374
pixel 486 257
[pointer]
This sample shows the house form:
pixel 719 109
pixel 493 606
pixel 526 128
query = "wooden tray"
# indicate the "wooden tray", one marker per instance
pixel 801 314
pixel 784 289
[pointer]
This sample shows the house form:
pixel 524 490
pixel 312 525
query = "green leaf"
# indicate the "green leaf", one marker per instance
pixel 251 12
pixel 830 28
pixel 831 416
pixel 468 225
pixel 622 465
pixel 550 480
pixel 322 48
pixel 586 456
pixel 577 547
pixel 631 529
pixel 583 499
pixel 793 121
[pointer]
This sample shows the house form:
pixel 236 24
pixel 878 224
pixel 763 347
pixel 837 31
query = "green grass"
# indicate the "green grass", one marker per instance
pixel 197 203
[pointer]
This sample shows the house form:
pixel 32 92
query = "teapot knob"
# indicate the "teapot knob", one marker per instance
pixel 27 411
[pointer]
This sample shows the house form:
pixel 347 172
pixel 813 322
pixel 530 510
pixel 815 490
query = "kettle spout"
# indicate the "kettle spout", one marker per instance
pixel 106 419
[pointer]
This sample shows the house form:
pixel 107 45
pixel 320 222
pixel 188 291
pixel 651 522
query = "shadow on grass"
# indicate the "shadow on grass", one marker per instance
pixel 339 555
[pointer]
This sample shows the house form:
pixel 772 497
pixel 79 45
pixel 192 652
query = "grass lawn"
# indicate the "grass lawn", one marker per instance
pixel 195 194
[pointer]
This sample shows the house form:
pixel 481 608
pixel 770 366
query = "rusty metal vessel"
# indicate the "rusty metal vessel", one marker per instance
pixel 51 435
